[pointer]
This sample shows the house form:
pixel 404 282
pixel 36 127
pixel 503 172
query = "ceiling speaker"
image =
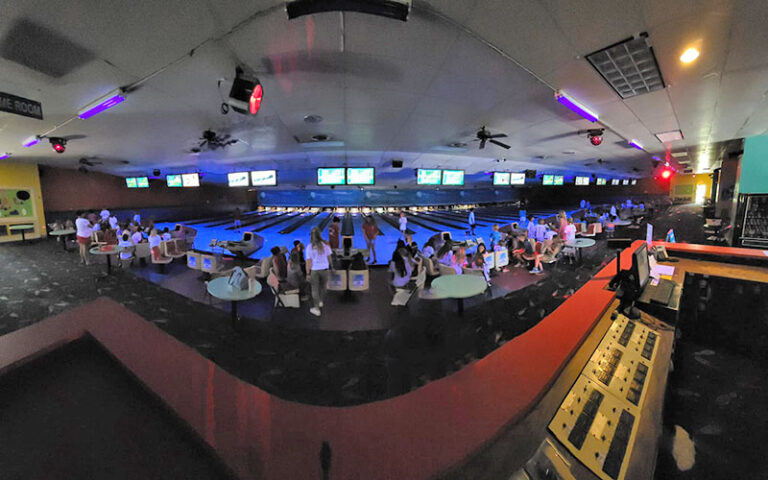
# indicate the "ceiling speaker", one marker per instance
pixel 397 163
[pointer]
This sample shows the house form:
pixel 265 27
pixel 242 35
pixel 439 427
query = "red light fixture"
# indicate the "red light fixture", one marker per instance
pixel 254 103
pixel 595 136
pixel 666 174
pixel 59 145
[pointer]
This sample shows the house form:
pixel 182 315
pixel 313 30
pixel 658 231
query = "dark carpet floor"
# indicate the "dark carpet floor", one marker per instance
pixel 38 280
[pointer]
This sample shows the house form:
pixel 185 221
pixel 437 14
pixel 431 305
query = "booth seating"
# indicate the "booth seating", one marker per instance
pixel 170 248
pixel 143 252
pixel 284 297
pixel 263 266
pixel 445 269
pixel 193 260
pixel 358 280
pixel 212 264
pixel 161 262
pixel 592 230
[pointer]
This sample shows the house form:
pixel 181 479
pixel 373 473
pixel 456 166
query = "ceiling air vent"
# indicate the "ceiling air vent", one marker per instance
pixel 630 67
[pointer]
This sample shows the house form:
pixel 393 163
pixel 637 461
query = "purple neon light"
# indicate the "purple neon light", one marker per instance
pixel 4 156
pixel 32 142
pixel 108 103
pixel 635 144
pixel 563 99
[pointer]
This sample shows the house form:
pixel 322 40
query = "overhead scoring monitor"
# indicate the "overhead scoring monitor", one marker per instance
pixel 331 176
pixel 558 180
pixel 615 181
pixel 264 178
pixel 360 176
pixel 190 180
pixel 547 179
pixel 517 178
pixel 238 179
pixel 428 176
pixel 582 180
pixel 625 182
pixel 173 180
pixel 501 178
pixel 142 182
pixel 130 182
pixel 600 181
pixel 453 177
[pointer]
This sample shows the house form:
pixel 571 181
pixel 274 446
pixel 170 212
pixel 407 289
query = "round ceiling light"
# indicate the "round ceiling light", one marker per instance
pixel 689 55
pixel 313 118
pixel 321 137
pixel 458 145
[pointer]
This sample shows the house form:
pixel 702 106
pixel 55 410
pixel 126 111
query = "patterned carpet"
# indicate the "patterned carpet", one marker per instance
pixel 38 280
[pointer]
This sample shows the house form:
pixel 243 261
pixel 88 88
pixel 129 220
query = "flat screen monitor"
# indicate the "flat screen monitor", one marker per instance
pixel 517 179
pixel 625 182
pixel 331 176
pixel 615 181
pixel 173 180
pixel 634 181
pixel 130 182
pixel 601 181
pixel 264 178
pixel 238 179
pixel 453 177
pixel 361 176
pixel 142 182
pixel 548 180
pixel 641 266
pixel 428 176
pixel 500 178
pixel 190 180
pixel 582 180
pixel 558 179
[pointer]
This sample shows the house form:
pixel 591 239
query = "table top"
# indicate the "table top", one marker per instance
pixel 26 226
pixel 458 286
pixel 219 288
pixel 66 231
pixel 622 223
pixel 99 251
pixel 581 243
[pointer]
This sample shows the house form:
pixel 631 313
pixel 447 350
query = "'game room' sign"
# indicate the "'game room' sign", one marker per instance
pixel 20 106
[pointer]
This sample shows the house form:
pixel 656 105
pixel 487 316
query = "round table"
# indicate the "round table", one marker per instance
pixel 622 223
pixel 580 243
pixel 221 289
pixel 108 253
pixel 458 287
pixel 22 229
pixel 62 235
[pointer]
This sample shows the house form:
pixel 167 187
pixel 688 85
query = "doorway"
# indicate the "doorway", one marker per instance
pixel 701 192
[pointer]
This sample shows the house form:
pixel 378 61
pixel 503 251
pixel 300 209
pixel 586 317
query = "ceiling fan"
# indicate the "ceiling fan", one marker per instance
pixel 484 135
pixel 211 141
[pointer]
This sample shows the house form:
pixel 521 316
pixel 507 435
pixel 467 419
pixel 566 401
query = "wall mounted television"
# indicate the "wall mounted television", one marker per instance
pixel 558 180
pixel 517 179
pixel 264 178
pixel 501 178
pixel 547 179
pixel 425 176
pixel 582 180
pixel 190 180
pixel 600 181
pixel 173 180
pixel 238 179
pixel 453 177
pixel 361 176
pixel 331 176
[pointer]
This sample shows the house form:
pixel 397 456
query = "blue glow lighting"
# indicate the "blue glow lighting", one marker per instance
pixel 31 141
pixel 635 144
pixel 101 104
pixel 3 156
pixel 575 106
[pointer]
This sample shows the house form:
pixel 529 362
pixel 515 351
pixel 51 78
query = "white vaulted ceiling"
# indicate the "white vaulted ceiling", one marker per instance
pixel 387 89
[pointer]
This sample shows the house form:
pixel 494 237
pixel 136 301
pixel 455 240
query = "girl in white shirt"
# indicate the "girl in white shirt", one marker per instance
pixel 154 245
pixel 125 243
pixel 84 232
pixel 318 257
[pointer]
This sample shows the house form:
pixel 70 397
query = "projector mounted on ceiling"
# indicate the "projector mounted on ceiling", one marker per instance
pixel 397 9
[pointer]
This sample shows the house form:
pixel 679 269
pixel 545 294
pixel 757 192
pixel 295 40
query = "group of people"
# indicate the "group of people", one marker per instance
pixel 124 235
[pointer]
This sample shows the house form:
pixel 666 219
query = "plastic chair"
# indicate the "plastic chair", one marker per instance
pixel 359 280
pixel 283 298
pixel 337 280
pixel 142 252
pixel 193 260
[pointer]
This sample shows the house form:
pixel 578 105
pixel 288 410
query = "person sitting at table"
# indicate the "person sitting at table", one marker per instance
pixel 136 236
pixel 445 253
pixel 125 245
pixel 334 230
pixel 478 262
pixel 401 267
pixel 113 222
pixel 166 234
pixel 569 232
pixel 459 260
pixel 84 233
pixel 154 244
pixel 517 249
pixel 540 232
pixel 428 250
pixel 279 264
pixel 530 254
pixel 552 248
pixel 110 236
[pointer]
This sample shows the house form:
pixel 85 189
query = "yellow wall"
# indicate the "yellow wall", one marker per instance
pixel 689 182
pixel 23 176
